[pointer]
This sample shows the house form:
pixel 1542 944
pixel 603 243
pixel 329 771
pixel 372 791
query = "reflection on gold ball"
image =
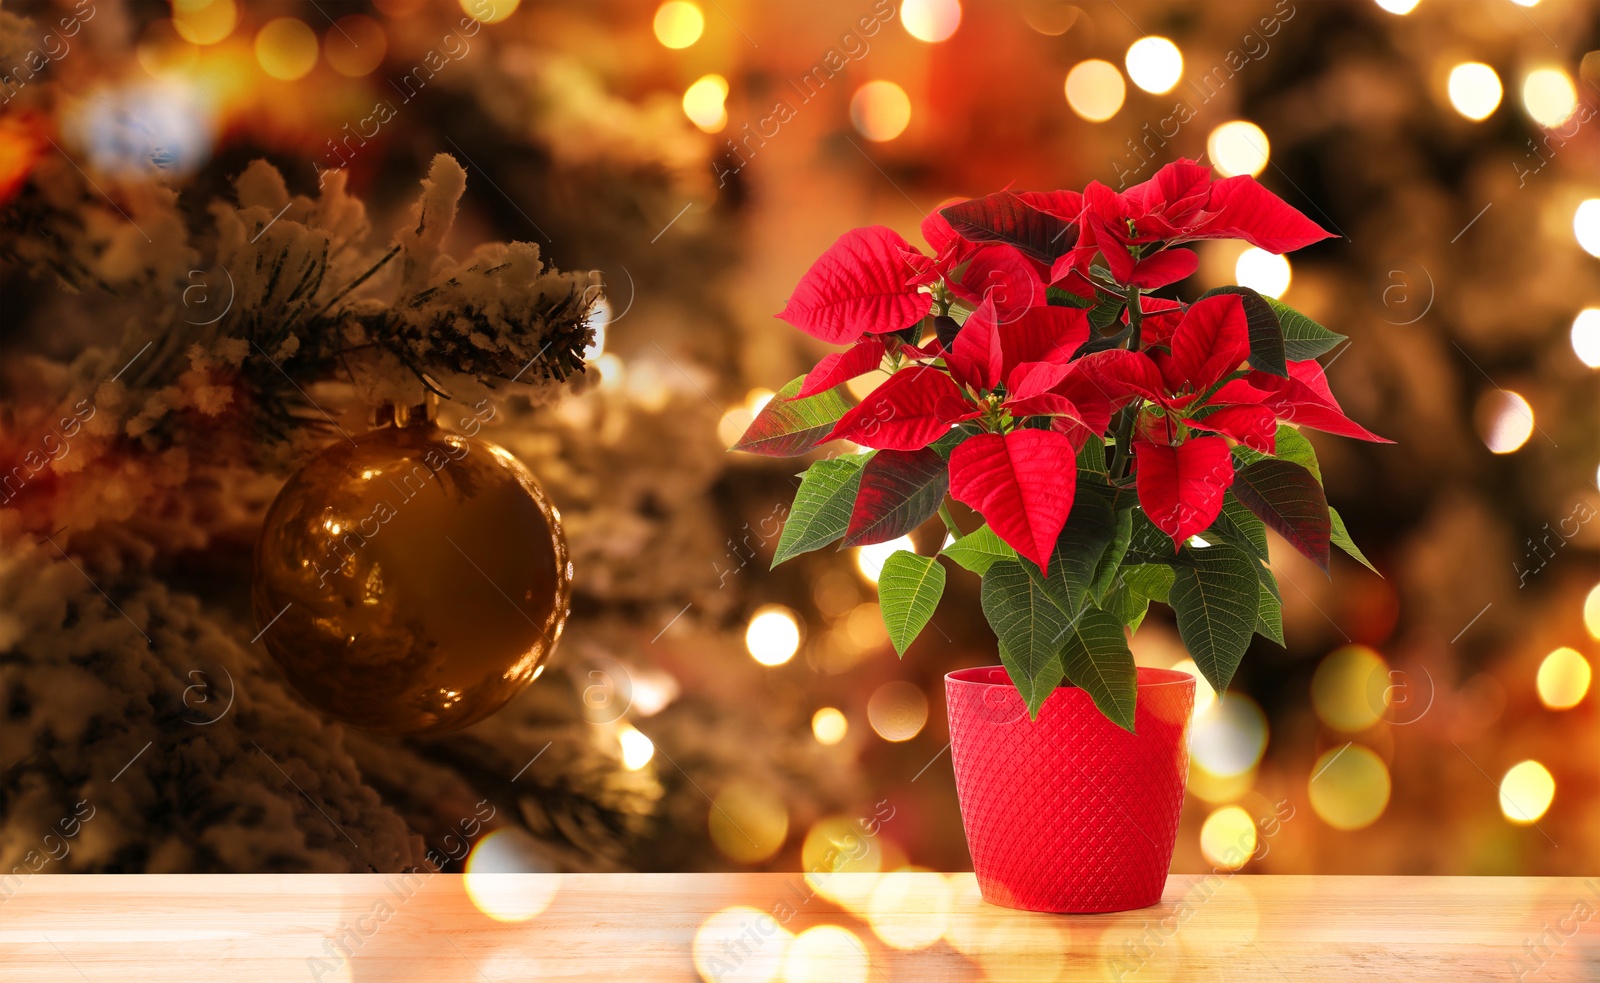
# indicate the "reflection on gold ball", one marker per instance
pixel 419 579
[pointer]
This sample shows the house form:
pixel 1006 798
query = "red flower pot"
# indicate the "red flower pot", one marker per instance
pixel 1069 812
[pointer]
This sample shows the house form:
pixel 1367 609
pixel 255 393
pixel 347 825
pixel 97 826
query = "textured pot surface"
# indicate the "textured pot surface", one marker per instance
pixel 1069 812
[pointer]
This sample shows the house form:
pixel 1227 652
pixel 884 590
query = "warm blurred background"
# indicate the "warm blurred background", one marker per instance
pixel 701 153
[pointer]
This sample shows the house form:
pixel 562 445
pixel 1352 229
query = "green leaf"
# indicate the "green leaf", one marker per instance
pixel 1105 574
pixel 899 491
pixel 1269 608
pixel 1238 525
pixel 1292 446
pixel 1127 604
pixel 1340 537
pixel 1056 297
pixel 979 550
pixel 1266 333
pixel 1107 312
pixel 788 427
pixel 1215 595
pixel 1153 580
pixel 1148 543
pixel 909 588
pixel 1029 627
pixel 1303 338
pixel 1290 501
pixel 821 511
pixel 1090 528
pixel 950 441
pixel 1136 587
pixel 1093 455
pixel 1096 658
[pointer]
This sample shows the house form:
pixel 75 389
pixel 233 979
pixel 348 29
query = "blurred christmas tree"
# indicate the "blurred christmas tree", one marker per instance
pixel 185 326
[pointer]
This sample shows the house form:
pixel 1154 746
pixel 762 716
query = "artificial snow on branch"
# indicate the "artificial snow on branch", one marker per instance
pixel 292 296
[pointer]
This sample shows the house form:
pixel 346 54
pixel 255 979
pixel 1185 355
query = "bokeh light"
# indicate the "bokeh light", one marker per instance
pixel 931 20
pixel 773 635
pixel 1229 738
pixel 1220 789
pixel 826 954
pixel 748 823
pixel 1342 691
pixel 870 558
pixel 704 102
pixel 1586 336
pixel 880 110
pixel 286 48
pixel 1586 225
pixel 829 725
pixel 839 845
pixel 204 21
pixel 758 398
pixel 1228 837
pixel 500 880
pixel 897 711
pixel 1563 679
pixel 1398 6
pixel 1238 147
pixel 733 425
pixel 1549 96
pixel 1474 90
pixel 1591 611
pixel 842 862
pixel 509 850
pixel 637 749
pixel 864 626
pixel 740 945
pixel 1023 950
pixel 910 908
pixel 679 23
pixel 1204 695
pixel 1266 273
pixel 20 146
pixel 1349 787
pixel 1155 64
pixel 489 11
pixel 599 321
pixel 126 129
pixel 1504 419
pixel 163 52
pixel 354 46
pixel 1526 792
pixel 835 593
pixel 1095 90
pixel 1050 17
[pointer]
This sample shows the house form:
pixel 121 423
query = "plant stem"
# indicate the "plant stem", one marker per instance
pixel 1130 413
pixel 1135 317
pixel 1124 435
pixel 950 520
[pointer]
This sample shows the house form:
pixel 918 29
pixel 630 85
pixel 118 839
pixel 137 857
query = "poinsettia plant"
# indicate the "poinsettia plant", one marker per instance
pixel 1121 448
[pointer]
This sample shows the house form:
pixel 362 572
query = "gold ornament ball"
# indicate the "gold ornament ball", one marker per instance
pixel 411 580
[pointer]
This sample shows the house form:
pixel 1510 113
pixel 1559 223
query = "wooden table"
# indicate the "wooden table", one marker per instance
pixel 657 927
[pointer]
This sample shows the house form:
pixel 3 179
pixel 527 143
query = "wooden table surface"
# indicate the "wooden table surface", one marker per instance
pixel 659 927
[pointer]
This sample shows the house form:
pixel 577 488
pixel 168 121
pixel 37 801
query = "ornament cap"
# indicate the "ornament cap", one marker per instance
pixel 391 414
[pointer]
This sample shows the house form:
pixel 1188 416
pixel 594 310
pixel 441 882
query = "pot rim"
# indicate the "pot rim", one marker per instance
pixel 1148 677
